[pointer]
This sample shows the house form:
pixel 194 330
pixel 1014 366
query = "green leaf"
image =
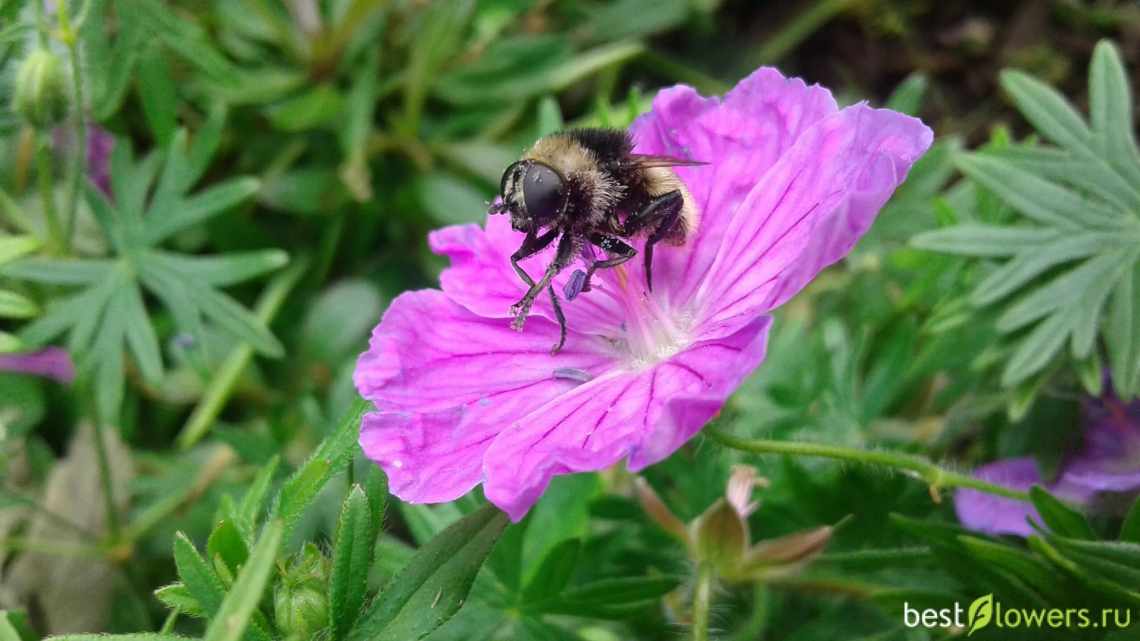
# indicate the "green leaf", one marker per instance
pixel 227 269
pixel 141 337
pixel 331 456
pixel 351 561
pixel 609 598
pixel 1122 334
pixel 226 543
pixel 200 580
pixel 133 637
pixel 908 95
pixel 13 247
pixel 202 206
pixel 434 584
pixel 158 95
pixel 13 305
pixel 1048 110
pixel 1036 198
pixel 1110 108
pixel 985 240
pixel 176 596
pixel 14 627
pixel 555 571
pixel 1060 518
pixel 240 603
pixel 253 501
pixel 1130 529
pixel 59 272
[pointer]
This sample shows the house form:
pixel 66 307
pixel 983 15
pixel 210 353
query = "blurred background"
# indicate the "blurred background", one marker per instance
pixel 302 149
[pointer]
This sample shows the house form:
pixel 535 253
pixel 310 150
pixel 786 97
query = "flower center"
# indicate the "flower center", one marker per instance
pixel 654 329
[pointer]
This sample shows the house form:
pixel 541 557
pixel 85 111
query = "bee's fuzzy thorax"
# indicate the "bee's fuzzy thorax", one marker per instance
pixel 580 166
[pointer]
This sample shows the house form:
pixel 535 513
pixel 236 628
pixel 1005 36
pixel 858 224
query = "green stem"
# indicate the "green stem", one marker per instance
pixel 41 24
pixel 105 479
pixel 702 601
pixel 45 180
pixel 78 167
pixel 933 475
pixel 168 625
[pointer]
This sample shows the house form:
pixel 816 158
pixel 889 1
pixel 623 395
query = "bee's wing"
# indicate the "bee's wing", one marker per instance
pixel 652 160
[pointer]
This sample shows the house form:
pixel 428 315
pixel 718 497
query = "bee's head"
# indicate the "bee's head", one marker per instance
pixel 534 194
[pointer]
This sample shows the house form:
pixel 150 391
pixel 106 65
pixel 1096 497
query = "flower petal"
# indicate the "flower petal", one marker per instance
pixel 808 210
pixel 446 381
pixel 50 362
pixel 996 515
pixel 740 137
pixel 645 414
pixel 1109 461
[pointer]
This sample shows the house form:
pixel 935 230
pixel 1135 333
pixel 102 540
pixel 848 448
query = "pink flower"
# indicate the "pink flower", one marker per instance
pixel 790 185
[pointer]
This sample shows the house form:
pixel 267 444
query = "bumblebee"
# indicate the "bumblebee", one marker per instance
pixel 586 189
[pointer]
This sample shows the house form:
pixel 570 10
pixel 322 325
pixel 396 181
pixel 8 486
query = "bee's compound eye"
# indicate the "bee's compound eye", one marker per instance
pixel 542 193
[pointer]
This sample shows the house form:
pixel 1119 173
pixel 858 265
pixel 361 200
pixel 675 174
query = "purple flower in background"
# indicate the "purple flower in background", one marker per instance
pixel 100 143
pixel 461 399
pixel 50 362
pixel 1108 461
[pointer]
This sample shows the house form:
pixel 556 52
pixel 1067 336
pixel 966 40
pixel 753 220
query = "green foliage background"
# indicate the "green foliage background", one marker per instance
pixel 276 168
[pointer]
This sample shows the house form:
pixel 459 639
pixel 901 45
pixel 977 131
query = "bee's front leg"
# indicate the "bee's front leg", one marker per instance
pixel 520 309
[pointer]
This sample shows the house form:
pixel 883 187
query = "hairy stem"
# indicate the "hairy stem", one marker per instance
pixel 933 475
pixel 702 601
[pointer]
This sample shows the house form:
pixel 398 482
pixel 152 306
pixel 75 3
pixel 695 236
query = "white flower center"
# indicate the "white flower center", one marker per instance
pixel 654 328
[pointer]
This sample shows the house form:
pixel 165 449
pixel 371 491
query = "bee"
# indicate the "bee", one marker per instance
pixel 585 189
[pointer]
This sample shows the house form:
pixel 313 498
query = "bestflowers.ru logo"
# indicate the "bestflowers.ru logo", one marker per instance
pixel 984 612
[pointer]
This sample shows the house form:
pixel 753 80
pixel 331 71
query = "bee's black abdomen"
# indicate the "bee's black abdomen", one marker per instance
pixel 608 145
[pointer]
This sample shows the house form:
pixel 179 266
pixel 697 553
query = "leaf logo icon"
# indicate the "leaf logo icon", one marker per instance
pixel 981 612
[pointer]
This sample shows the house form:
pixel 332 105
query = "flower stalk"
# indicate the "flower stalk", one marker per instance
pixel 933 475
pixel 702 602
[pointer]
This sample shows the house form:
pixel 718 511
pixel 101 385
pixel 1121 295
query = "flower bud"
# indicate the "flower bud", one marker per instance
pixel 40 95
pixel 300 604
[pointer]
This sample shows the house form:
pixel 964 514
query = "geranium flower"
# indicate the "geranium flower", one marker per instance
pixel 50 362
pixel 1107 462
pixel 461 399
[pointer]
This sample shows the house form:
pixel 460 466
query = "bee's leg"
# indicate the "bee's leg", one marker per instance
pixel 532 244
pixel 661 215
pixel 618 252
pixel 520 309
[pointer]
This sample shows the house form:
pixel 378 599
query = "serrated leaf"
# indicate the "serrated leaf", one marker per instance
pixel 253 501
pixel 351 561
pixel 226 269
pixel 1122 334
pixel 201 582
pixel 240 603
pixel 434 584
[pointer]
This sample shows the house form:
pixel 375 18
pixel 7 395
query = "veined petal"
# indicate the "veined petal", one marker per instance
pixel 644 414
pixel 807 211
pixel 446 382
pixel 741 137
pixel 481 278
